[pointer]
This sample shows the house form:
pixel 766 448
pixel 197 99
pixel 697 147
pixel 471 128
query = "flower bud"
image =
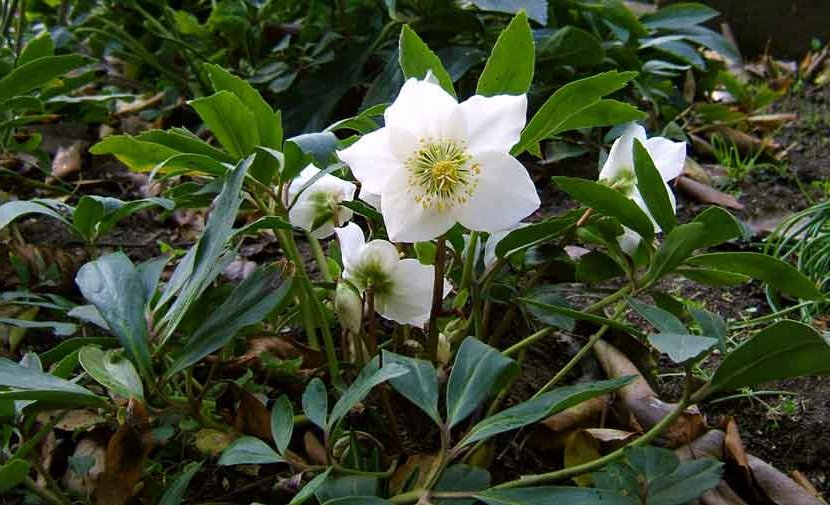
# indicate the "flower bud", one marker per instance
pixel 349 308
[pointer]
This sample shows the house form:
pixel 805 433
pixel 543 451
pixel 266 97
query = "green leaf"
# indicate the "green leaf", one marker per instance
pixel 88 213
pixel 12 210
pixel 604 112
pixel 112 371
pixel 113 285
pixel 528 236
pixel 233 124
pixel 310 488
pixel 537 10
pixel 249 451
pixel 596 266
pixel 184 141
pixel 546 296
pixel 681 347
pixel 249 303
pixel 478 368
pixel 13 472
pixel 663 320
pixel 368 378
pixel 712 325
pixel 37 73
pixel 583 316
pixel 116 210
pixel 784 350
pixel 358 500
pixel 417 60
pixel 138 155
pixel 319 146
pixel 268 123
pixel 721 226
pixel 609 202
pixel 315 402
pixel 652 462
pixel 778 274
pixel 509 70
pixel 68 346
pixel 553 494
pixel 26 383
pixel 282 423
pixel 681 15
pixel 58 328
pixel 675 249
pixel 689 481
pixel 571 45
pixel 569 101
pixel 346 486
pixel 419 386
pixel 712 277
pixel 541 407
pixel 653 189
pixel 175 492
pixel 462 478
pixel 39 47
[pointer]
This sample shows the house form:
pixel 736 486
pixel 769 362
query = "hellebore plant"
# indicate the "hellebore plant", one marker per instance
pixel 445 172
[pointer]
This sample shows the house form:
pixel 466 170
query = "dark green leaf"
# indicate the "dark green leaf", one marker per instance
pixel 37 73
pixel 609 202
pixel 679 15
pixel 419 386
pixel 113 285
pixel 653 189
pixel 315 402
pixel 721 226
pixel 12 210
pixel 509 70
pixel 541 407
pixel 310 488
pixel 175 492
pixel 537 10
pixel 571 45
pixel 604 112
pixel 476 371
pixel 663 320
pixel 319 146
pixel 112 371
pixel 711 325
pixel 282 423
pixel 26 383
pixel 687 483
pixel 675 249
pixel 233 124
pixel 12 473
pixel 597 266
pixel 681 347
pixel 249 451
pixel 712 277
pixel 784 350
pixel 776 273
pixel 583 316
pixel 534 234
pixel 346 486
pixel 368 378
pixel 545 296
pixel 39 47
pixel 462 478
pixel 652 462
pixel 545 495
pixel 358 500
pixel 417 60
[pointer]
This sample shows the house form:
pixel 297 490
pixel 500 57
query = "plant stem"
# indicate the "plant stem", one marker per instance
pixel 46 495
pixel 371 322
pixel 319 257
pixel 527 341
pixel 579 355
pixel 437 299
pixel 654 432
pixel 469 262
pixel 608 300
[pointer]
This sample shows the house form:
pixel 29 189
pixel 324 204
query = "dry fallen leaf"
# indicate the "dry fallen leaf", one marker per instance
pixel 85 484
pixel 419 463
pixel 67 160
pixel 581 414
pixel 314 449
pixel 706 194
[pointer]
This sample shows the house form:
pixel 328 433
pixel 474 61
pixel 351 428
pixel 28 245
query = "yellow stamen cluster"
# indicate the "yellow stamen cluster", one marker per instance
pixel 442 174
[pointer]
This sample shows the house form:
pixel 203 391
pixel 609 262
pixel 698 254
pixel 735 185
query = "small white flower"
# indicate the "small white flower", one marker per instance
pixel 402 288
pixel 618 171
pixel 318 208
pixel 437 162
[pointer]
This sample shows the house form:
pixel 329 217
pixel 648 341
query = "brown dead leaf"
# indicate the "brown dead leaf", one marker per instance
pixel 284 348
pixel 124 108
pixel 314 449
pixel 581 447
pixel 581 414
pixel 642 403
pixel 745 142
pixel 417 463
pixel 776 486
pixel 704 193
pixel 804 482
pixel 710 445
pixel 127 452
pixel 767 222
pixel 771 122
pixel 245 412
pixel 85 485
pixel 73 420
pixel 693 169
pixel 67 160
pixel 212 442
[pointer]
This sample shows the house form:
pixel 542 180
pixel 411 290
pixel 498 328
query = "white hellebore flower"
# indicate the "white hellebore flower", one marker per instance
pixel 402 288
pixel 618 171
pixel 318 208
pixel 437 162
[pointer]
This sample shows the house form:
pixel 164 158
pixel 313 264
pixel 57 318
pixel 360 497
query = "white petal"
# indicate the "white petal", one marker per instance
pixel 302 214
pixel 410 300
pixel 504 196
pixel 407 220
pixel 668 156
pixel 425 110
pixel 629 241
pixel 342 216
pixel 377 155
pixel 303 177
pixel 621 156
pixel 494 123
pixel 352 243
pixel 380 254
pixel 637 197
pixel 373 199
pixel 325 230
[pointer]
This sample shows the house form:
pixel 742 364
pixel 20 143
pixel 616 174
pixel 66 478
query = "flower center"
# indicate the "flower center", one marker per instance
pixel 371 273
pixel 441 174
pixel 623 182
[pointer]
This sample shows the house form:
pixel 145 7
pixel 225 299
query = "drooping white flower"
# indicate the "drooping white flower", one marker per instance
pixel 437 162
pixel 318 208
pixel 402 287
pixel 618 171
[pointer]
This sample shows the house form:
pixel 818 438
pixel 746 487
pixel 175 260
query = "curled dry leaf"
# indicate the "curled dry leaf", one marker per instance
pixel 745 142
pixel 67 160
pixel 84 485
pixel 124 108
pixel 417 463
pixel 73 420
pixel 704 193
pixel 212 442
pixel 127 452
pixel 772 121
pixel 642 403
pixel 694 170
pixel 284 348
pixel 582 414
pixel 314 449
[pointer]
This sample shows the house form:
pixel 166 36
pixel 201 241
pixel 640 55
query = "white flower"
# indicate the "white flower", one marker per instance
pixel 618 171
pixel 437 162
pixel 402 288
pixel 372 199
pixel 318 208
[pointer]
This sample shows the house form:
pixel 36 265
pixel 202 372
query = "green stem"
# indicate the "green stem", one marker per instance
pixel 319 257
pixel 437 299
pixel 47 496
pixel 527 341
pixel 469 262
pixel 608 300
pixel 578 356
pixel 565 473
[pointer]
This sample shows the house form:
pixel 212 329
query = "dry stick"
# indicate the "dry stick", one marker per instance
pixel 437 298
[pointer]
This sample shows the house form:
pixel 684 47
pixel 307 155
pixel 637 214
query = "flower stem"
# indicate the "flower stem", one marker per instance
pixel 319 257
pixel 371 322
pixel 590 466
pixel 469 262
pixel 527 341
pixel 437 298
pixel 608 300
